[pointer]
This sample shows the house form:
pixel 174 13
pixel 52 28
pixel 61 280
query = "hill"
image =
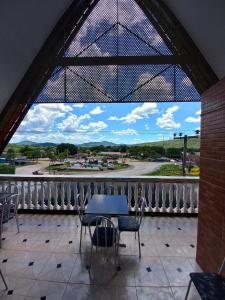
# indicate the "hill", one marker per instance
pixel 193 143
pixel 30 143
pixel 95 144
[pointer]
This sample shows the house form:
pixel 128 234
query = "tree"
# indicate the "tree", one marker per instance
pixel 173 152
pixel 10 155
pixel 71 149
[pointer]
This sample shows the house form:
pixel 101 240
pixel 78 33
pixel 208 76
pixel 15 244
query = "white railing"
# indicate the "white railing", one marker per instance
pixel 163 194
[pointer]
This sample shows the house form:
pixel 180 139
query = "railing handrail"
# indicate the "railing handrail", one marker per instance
pixel 88 178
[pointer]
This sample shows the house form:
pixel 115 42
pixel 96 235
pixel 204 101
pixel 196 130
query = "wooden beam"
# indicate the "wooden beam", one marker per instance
pixel 123 60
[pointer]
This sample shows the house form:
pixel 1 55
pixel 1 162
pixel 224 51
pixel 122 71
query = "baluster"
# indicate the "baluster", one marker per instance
pixel 75 193
pixel 178 198
pixel 29 196
pixel 109 188
pixel 23 197
pixel 197 198
pixel 157 197
pixel 150 197
pixel 129 195
pixel 171 197
pixel 82 195
pixel 95 187
pixel 192 199
pixel 102 188
pixel 42 195
pixel 55 206
pixel 49 193
pixel 68 195
pixel 164 190
pixel 89 192
pixel 36 204
pixel 185 198
pixel 62 195
pixel 116 188
pixel 123 188
pixel 136 196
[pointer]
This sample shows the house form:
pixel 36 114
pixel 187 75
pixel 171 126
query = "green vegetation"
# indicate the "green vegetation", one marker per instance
pixel 7 169
pixel 120 166
pixel 167 170
pixel 67 149
pixel 193 143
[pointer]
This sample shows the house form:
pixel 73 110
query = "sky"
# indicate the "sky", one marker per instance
pixel 129 123
pixel 106 33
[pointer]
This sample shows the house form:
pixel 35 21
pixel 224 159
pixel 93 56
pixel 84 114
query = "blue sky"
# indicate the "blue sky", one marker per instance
pixel 119 123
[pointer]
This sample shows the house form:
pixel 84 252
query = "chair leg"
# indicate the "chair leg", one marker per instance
pixel 3 279
pixel 90 257
pixel 1 228
pixel 17 224
pixel 135 235
pixel 80 237
pixel 139 245
pixel 188 290
pixel 85 230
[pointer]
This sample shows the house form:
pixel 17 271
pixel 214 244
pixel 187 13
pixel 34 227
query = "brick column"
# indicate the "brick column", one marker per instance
pixel 211 221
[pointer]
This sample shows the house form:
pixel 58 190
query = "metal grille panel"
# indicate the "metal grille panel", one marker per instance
pixel 117 28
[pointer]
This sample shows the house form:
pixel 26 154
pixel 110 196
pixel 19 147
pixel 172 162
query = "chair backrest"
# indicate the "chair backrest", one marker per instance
pixel 104 233
pixel 12 188
pixel 222 267
pixel 5 210
pixel 80 208
pixel 140 209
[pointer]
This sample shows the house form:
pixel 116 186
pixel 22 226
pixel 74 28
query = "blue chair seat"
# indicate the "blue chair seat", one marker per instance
pixel 127 223
pixel 87 218
pixel 210 286
pixel 106 236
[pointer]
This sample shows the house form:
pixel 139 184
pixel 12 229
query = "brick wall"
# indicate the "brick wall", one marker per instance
pixel 211 231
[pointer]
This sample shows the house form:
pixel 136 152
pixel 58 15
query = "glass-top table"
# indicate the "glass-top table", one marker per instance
pixel 111 205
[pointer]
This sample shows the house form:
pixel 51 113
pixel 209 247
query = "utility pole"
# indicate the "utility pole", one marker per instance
pixel 185 139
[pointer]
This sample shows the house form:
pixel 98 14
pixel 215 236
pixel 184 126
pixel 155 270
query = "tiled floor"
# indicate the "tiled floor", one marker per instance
pixel 43 261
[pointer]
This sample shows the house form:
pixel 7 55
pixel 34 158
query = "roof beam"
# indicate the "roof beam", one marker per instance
pixel 124 60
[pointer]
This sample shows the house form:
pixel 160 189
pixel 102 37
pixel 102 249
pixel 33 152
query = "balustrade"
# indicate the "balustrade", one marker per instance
pixel 162 194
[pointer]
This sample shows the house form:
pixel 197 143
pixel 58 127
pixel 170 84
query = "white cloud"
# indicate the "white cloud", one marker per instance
pixel 78 105
pixel 94 126
pixel 42 116
pixel 72 122
pixel 147 127
pixel 125 132
pixel 97 111
pixel 186 81
pixel 167 119
pixel 156 89
pixel 194 119
pixel 141 112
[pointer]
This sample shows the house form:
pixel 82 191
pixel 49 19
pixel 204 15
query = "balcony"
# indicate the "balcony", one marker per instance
pixel 43 260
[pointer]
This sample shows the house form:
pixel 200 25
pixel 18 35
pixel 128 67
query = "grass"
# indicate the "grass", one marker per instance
pixel 193 143
pixel 167 170
pixel 121 166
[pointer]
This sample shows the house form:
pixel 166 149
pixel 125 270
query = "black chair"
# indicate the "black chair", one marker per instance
pixel 210 286
pixel 105 235
pixel 85 219
pixel 14 199
pixel 3 279
pixel 132 224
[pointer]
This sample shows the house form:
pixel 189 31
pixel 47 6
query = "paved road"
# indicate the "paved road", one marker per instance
pixel 136 168
pixel 41 165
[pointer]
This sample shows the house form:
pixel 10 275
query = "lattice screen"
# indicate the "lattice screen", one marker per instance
pixel 118 28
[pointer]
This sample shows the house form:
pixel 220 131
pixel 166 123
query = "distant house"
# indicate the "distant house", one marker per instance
pixel 3 160
pixel 114 154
